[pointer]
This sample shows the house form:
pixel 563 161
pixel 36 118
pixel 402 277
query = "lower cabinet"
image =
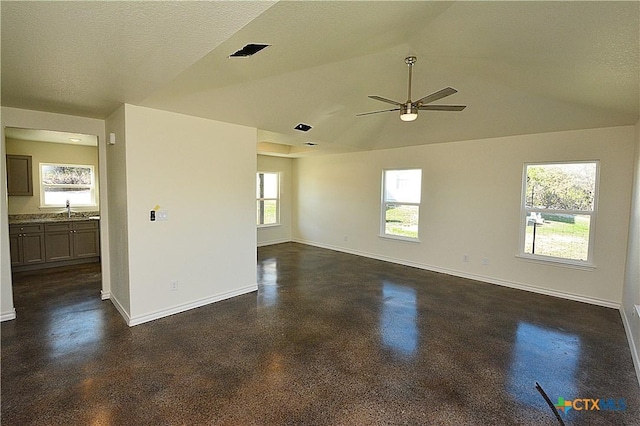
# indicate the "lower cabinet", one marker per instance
pixel 52 244
pixel 86 239
pixel 71 240
pixel 27 244
pixel 59 241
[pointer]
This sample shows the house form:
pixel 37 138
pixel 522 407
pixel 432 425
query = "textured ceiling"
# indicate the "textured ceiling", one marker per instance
pixel 88 57
pixel 520 67
pixel 38 135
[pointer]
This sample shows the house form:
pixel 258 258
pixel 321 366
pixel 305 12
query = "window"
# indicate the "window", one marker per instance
pixel 60 183
pixel 268 194
pixel 401 203
pixel 558 211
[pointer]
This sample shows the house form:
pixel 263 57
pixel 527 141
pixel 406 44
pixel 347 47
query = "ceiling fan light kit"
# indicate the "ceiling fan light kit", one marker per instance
pixel 409 110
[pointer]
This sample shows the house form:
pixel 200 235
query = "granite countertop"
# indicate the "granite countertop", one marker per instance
pixel 22 219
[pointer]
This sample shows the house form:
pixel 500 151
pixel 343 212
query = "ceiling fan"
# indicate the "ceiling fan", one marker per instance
pixel 409 110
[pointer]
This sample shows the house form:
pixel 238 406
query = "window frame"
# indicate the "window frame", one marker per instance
pixel 587 264
pixel 277 200
pixel 92 186
pixel 384 202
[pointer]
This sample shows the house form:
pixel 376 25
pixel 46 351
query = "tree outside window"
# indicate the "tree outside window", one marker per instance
pixel 60 183
pixel 559 209
pixel 401 195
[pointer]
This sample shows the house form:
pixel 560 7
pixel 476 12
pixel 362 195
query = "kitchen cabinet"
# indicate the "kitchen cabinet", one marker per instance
pixel 27 244
pixel 59 241
pixel 72 240
pixel 19 175
pixel 50 244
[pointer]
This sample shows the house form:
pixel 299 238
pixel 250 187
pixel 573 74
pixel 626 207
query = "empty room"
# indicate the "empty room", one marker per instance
pixel 320 212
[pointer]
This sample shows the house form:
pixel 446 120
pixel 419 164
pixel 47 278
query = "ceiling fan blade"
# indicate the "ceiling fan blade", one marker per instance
pixel 381 99
pixel 442 107
pixel 447 91
pixel 376 112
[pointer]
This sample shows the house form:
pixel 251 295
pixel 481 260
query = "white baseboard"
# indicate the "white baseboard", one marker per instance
pixel 633 345
pixel 273 242
pixel 490 280
pixel 8 316
pixel 140 319
pixel 120 308
pixel 104 295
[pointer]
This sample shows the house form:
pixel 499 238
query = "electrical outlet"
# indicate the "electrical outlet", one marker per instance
pixel 162 215
pixel 465 258
pixel 173 286
pixel 485 261
pixel 346 237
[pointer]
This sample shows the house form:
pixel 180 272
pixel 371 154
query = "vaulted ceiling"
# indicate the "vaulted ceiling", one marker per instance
pixel 520 67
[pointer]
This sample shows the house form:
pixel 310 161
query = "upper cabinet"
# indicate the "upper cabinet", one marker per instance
pixel 19 175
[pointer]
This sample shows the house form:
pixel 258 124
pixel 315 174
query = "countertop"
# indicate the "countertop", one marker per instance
pixel 28 220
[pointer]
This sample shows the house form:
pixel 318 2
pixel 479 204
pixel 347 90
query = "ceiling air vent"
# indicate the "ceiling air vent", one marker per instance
pixel 303 127
pixel 249 50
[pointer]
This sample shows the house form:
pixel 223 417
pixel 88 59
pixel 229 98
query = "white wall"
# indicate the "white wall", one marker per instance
pixel 14 117
pixel 202 172
pixel 631 291
pixel 471 205
pixel 118 229
pixel 281 233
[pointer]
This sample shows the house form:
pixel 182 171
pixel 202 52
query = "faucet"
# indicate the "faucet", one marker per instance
pixel 69 209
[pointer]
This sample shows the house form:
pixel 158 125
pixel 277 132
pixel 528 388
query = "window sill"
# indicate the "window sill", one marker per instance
pixel 552 261
pixel 399 238
pixel 271 225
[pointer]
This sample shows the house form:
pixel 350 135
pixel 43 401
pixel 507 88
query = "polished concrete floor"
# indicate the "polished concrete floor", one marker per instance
pixel 329 338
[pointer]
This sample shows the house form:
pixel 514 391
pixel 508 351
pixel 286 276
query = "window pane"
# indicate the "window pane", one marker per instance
pixel 402 185
pixel 267 185
pixel 59 196
pixel 401 220
pixel 561 186
pixel 270 185
pixel 564 236
pixel 267 212
pixel 66 175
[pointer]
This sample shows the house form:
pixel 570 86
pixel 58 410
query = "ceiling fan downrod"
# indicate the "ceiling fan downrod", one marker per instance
pixel 410 60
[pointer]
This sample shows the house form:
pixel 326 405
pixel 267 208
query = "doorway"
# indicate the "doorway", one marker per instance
pixel 53 210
